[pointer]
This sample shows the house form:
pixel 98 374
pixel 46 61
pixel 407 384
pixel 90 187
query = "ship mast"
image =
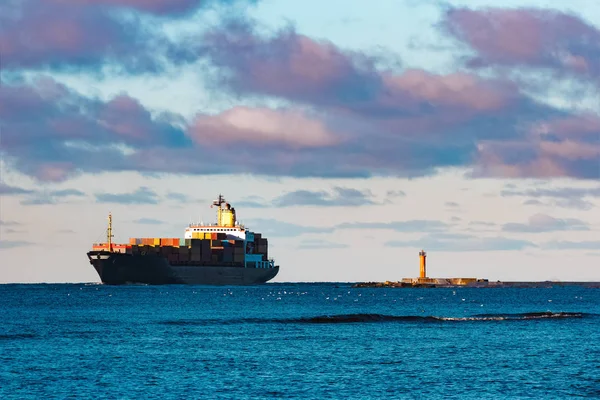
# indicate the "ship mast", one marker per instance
pixel 218 203
pixel 109 234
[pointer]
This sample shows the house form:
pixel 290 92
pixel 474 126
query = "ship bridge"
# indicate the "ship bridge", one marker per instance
pixel 226 223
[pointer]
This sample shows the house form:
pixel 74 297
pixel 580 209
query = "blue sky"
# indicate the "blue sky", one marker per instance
pixel 352 136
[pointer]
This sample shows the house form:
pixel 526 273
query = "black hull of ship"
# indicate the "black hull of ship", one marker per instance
pixel 121 269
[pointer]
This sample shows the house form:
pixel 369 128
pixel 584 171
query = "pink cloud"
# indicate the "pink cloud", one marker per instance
pixel 532 37
pixel 243 126
pixel 50 132
pixel 126 117
pixel 297 68
pixel 54 171
pixel 457 90
pixel 556 148
pixel 577 127
pixel 59 33
pixel 153 6
pixel 348 119
pixel 289 65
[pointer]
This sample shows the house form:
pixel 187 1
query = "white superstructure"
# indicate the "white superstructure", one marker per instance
pixel 233 233
pixel 227 223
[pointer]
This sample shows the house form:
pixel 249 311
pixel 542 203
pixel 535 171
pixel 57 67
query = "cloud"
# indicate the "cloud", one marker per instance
pixel 347 115
pixel 395 193
pixel 275 228
pixel 7 190
pixel 462 243
pixel 561 145
pixel 482 223
pixel 564 197
pixel 576 204
pixel 544 223
pixel 538 38
pixel 398 226
pixel 39 197
pixel 148 221
pixel 180 197
pixel 89 34
pixel 341 197
pixel 482 226
pixel 459 118
pixel 567 245
pixel 533 202
pixel 316 244
pixel 44 197
pixel 261 127
pixel 150 6
pixel 71 133
pixel 10 244
pixel 252 204
pixel 338 197
pixel 551 148
pixel 562 193
pixel 13 231
pixel 288 65
pixel 9 223
pixel 142 195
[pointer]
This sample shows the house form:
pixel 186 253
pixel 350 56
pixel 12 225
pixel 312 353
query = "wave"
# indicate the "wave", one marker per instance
pixel 349 318
pixel 371 318
pixel 16 336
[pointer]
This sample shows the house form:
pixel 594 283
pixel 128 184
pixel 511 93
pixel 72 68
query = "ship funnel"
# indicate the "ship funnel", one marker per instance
pixel 225 213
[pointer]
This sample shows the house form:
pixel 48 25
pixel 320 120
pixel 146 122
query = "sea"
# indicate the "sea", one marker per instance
pixel 298 341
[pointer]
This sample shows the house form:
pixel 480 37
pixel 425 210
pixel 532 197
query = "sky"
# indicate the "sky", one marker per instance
pixel 352 134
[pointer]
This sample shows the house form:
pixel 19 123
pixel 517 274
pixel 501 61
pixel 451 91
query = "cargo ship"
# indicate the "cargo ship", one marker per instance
pixel 222 253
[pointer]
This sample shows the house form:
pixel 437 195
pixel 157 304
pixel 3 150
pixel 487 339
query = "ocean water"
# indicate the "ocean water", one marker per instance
pixel 308 341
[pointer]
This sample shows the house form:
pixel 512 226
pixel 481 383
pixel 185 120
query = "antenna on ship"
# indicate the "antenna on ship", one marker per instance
pixel 109 234
pixel 218 203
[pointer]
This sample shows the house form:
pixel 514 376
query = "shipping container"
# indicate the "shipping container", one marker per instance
pixel 156 241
